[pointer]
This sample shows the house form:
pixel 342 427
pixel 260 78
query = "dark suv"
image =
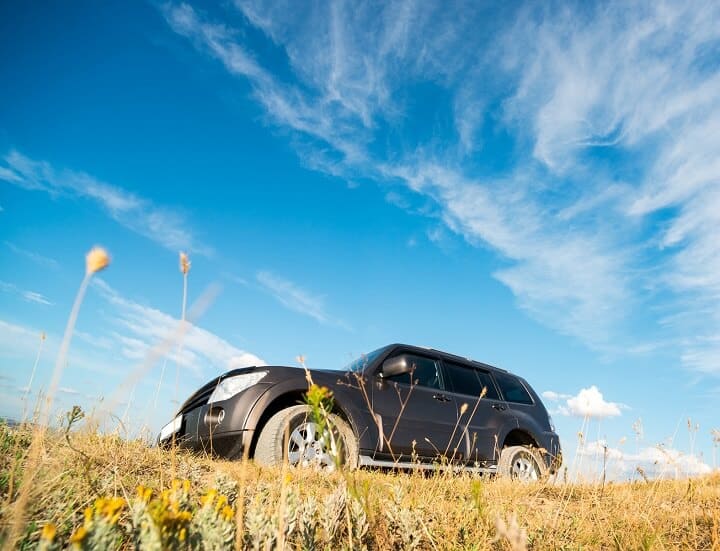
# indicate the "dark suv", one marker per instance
pixel 399 406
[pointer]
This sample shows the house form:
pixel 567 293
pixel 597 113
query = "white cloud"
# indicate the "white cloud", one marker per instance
pixel 297 299
pixel 654 461
pixel 165 226
pixel 39 259
pixel 589 402
pixel 555 396
pixel 141 327
pixel 29 296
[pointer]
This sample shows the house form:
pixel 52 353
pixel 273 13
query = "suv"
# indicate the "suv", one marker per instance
pixel 398 406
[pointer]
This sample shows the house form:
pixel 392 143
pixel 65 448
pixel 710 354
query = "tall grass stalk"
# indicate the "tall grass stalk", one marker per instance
pixel 184 269
pixel 32 377
pixel 96 260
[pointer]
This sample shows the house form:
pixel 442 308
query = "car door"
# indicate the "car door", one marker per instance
pixel 483 419
pixel 414 412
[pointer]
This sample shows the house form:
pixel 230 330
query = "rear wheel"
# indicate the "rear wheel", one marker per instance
pixel 521 463
pixel 292 435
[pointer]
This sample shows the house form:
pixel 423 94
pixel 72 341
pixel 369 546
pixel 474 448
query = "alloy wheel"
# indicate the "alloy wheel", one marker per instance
pixel 312 446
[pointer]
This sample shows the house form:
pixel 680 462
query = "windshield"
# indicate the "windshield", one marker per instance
pixel 358 364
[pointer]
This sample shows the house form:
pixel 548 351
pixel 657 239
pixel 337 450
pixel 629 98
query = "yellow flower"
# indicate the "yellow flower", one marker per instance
pixel 186 486
pixel 221 502
pixel 183 534
pixel 184 263
pixel 208 498
pixel 144 494
pixel 228 513
pixel 78 536
pixel 88 514
pixel 97 259
pixel 48 532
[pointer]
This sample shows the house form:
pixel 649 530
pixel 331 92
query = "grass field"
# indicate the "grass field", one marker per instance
pixel 101 492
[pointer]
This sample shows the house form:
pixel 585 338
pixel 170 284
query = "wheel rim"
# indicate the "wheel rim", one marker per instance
pixel 524 468
pixel 311 446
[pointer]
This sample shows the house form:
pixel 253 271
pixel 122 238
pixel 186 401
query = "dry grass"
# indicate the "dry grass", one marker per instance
pixel 361 509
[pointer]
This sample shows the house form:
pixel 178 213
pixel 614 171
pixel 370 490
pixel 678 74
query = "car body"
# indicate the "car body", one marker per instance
pixel 401 405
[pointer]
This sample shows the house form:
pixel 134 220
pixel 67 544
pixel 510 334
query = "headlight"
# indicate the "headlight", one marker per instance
pixel 227 388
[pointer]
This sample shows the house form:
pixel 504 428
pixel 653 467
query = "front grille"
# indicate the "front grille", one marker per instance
pixel 199 399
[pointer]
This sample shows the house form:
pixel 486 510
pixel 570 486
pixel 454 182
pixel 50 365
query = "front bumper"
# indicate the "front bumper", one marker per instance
pixel 219 428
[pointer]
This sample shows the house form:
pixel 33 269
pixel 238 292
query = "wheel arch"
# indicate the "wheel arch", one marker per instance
pixel 519 437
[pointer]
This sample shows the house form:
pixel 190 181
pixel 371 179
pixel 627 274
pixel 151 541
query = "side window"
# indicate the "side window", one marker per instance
pixel 468 380
pixel 512 389
pixel 426 372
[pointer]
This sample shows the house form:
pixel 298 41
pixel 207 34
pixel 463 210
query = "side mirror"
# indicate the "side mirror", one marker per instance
pixel 396 366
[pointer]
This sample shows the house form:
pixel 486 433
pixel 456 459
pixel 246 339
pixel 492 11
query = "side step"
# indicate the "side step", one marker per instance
pixel 367 461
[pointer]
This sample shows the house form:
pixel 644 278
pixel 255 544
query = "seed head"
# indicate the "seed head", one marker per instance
pixel 184 263
pixel 463 408
pixel 43 336
pixel 97 259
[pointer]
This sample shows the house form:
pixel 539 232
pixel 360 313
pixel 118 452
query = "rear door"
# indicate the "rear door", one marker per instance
pixel 485 413
pixel 416 412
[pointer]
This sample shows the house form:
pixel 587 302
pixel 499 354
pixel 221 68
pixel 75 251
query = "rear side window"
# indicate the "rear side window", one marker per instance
pixel 512 389
pixel 467 380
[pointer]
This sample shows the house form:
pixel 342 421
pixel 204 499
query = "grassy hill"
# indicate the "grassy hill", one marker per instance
pixel 102 492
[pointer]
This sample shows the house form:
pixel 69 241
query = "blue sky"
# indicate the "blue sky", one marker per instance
pixel 535 187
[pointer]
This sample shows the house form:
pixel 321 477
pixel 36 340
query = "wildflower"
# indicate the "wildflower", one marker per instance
pixel 184 263
pixel 227 513
pixel 209 498
pixel 221 502
pixel 144 494
pixel 48 532
pixel 97 259
pixel 111 509
pixel 78 536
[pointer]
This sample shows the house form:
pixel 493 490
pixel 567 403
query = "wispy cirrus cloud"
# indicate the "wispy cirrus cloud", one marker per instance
pixel 608 198
pixel 297 299
pixel 29 296
pixel 37 258
pixel 165 226
pixel 138 328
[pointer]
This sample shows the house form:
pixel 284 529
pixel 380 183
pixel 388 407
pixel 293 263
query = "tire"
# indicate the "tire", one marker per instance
pixel 305 446
pixel 522 463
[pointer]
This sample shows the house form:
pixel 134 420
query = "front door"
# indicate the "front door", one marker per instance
pixel 416 414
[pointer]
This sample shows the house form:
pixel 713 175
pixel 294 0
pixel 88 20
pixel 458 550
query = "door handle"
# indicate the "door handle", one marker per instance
pixel 499 407
pixel 441 397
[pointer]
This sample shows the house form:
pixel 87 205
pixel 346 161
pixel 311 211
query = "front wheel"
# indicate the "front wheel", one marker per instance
pixel 521 463
pixel 292 435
